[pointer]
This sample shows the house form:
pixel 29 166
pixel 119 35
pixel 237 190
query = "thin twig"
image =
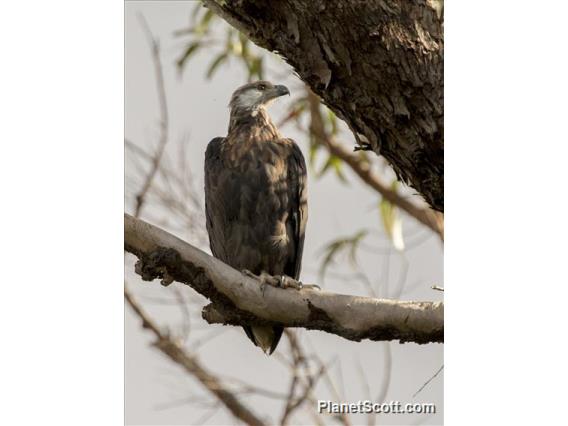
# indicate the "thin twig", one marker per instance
pixel 366 389
pixel 299 361
pixel 177 354
pixel 387 368
pixel 428 381
pixel 300 358
pixel 341 417
pixel 155 46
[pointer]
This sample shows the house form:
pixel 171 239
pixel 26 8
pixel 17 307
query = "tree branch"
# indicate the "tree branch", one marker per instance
pixel 239 299
pixel 432 219
pixel 177 354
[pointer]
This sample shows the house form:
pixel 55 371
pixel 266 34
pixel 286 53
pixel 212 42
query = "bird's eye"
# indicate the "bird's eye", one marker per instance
pixel 261 87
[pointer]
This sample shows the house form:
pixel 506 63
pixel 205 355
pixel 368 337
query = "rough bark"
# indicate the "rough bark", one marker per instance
pixel 432 219
pixel 239 299
pixel 378 64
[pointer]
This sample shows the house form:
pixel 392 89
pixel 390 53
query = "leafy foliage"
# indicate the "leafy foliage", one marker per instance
pixel 235 46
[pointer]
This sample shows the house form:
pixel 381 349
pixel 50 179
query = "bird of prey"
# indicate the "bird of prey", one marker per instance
pixel 256 195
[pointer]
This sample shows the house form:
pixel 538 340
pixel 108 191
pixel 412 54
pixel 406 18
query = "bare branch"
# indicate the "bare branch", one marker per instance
pixel 294 402
pixel 140 197
pixel 238 298
pixel 177 354
pixel 428 381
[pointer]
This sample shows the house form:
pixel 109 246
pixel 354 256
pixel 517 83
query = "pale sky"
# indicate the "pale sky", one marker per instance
pixel 198 109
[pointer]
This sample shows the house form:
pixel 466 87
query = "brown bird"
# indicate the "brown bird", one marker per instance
pixel 256 195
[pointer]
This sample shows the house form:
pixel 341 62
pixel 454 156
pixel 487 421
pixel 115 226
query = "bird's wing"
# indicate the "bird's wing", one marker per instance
pixel 298 196
pixel 214 177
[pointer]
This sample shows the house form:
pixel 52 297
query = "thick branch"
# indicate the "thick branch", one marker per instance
pixel 177 354
pixel 377 64
pixel 238 299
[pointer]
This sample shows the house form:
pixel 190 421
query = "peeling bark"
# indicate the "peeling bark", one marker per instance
pixel 378 64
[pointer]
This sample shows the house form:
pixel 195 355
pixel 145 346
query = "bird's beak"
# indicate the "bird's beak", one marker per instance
pixel 281 90
pixel 278 91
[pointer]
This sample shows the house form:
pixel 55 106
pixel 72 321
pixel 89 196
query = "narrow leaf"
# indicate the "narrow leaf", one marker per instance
pixel 336 247
pixel 392 223
pixel 191 49
pixel 215 64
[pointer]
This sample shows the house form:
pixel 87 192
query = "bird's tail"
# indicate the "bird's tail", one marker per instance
pixel 265 337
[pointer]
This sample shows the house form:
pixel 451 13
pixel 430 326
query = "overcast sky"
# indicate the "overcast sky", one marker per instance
pixel 198 111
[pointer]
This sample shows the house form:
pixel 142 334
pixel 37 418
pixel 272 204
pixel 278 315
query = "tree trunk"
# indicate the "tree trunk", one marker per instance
pixel 378 64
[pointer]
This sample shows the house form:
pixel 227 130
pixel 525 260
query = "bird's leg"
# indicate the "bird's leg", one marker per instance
pixel 283 281
pixel 289 282
pixel 249 274
pixel 267 279
pixel 264 278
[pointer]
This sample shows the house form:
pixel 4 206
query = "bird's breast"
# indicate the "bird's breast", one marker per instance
pixel 258 159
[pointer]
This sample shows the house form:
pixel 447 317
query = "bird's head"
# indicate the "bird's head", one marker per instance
pixel 258 94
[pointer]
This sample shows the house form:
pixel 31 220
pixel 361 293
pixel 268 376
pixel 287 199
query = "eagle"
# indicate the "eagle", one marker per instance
pixel 256 196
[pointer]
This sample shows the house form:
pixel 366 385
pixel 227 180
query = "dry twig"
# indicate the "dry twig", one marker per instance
pixel 299 360
pixel 140 197
pixel 177 354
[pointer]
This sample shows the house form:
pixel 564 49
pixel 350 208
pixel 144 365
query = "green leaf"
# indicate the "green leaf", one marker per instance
pixel 218 61
pixel 203 26
pixel 198 7
pixel 336 247
pixel 244 45
pixel 229 43
pixel 234 48
pixel 191 49
pixel 325 167
pixel 337 164
pixel 207 18
pixel 256 68
pixel 332 121
pixel 334 163
pixel 314 147
pixel 392 222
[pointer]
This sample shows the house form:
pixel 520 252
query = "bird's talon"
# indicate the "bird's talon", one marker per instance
pixel 281 281
pixel 249 273
pixel 288 282
pixel 311 286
